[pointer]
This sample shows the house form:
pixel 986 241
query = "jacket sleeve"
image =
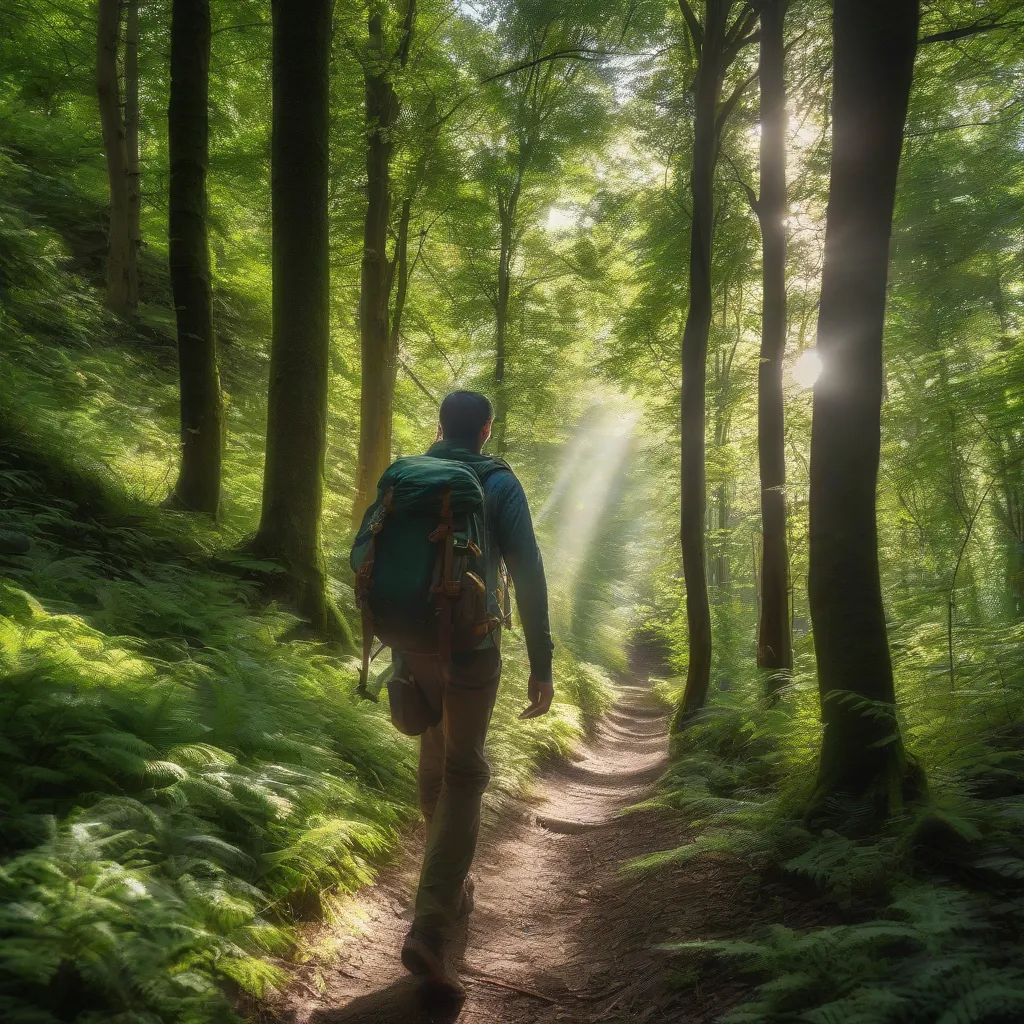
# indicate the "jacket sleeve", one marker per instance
pixel 518 546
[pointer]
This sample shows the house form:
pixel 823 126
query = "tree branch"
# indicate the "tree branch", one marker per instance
pixel 240 28
pixel 964 31
pixel 412 376
pixel 407 30
pixel 742 25
pixel 1001 115
pixel 696 32
pixel 576 53
pixel 755 203
pixel 730 103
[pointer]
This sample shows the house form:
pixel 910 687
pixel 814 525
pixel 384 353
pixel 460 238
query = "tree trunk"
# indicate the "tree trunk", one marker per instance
pixel 401 273
pixel 507 208
pixel 131 122
pixel 774 641
pixel 863 759
pixel 293 481
pixel 693 483
pixel 188 133
pixel 378 344
pixel 1009 513
pixel 1015 578
pixel 122 270
pixel 723 579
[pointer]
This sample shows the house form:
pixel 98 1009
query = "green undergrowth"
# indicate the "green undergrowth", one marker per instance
pixel 180 785
pixel 922 923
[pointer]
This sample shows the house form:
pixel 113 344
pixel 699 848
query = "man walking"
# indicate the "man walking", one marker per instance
pixel 459 687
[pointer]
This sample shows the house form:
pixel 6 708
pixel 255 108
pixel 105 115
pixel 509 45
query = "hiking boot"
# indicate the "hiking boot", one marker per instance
pixel 425 956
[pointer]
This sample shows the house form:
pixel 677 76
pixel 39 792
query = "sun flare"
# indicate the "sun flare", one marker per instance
pixel 807 369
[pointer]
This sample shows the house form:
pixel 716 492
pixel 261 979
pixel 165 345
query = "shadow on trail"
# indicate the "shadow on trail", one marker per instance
pixel 404 1002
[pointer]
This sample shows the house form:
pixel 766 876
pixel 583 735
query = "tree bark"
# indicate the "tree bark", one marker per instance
pixel 122 269
pixel 188 124
pixel 507 208
pixel 693 483
pixel 774 641
pixel 131 122
pixel 293 483
pixel 863 760
pixel 378 344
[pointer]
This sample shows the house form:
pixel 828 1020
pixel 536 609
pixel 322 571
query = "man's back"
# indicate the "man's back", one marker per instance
pixel 510 538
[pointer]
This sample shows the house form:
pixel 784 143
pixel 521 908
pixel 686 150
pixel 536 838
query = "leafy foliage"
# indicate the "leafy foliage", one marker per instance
pixel 182 780
pixel 929 960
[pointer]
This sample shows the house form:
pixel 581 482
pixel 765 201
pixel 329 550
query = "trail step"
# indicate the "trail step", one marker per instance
pixel 568 827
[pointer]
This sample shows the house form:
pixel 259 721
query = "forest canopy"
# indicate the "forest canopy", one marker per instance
pixel 744 282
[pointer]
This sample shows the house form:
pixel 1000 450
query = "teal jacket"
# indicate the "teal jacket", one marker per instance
pixel 511 537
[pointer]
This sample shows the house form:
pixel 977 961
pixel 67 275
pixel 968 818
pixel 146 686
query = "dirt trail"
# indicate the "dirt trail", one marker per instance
pixel 559 932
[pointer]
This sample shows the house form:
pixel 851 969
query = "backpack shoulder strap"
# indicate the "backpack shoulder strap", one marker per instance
pixel 489 468
pixel 504 594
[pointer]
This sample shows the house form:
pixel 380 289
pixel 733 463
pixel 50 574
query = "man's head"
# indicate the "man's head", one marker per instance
pixel 465 418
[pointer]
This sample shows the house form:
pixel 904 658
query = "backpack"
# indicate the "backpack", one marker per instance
pixel 419 560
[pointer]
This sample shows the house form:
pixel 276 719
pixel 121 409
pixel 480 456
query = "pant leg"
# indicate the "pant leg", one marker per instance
pixel 430 767
pixel 430 773
pixel 468 702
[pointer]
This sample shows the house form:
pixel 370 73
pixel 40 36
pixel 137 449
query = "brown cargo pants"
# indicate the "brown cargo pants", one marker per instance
pixel 453 775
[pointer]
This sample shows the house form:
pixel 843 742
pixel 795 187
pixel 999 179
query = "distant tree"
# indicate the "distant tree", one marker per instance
pixel 293 483
pixel 545 102
pixel 202 419
pixel 381 273
pixel 131 120
pixel 716 41
pixel 774 642
pixel 863 759
pixel 122 262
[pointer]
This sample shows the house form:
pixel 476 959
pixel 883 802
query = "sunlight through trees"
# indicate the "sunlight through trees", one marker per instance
pixel 743 280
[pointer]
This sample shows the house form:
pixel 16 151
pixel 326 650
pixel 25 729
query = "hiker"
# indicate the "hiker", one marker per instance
pixel 431 559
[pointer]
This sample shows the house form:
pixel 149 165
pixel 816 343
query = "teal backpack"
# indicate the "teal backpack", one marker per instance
pixel 419 560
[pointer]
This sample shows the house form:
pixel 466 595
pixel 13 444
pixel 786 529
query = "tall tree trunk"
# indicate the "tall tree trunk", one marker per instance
pixel 507 209
pixel 293 483
pixel 188 131
pixel 722 575
pixel 862 758
pixel 400 262
pixel 131 121
pixel 1015 577
pixel 379 348
pixel 122 269
pixel 774 641
pixel 693 482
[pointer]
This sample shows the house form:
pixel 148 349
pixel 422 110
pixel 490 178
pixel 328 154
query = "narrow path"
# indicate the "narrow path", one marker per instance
pixel 559 932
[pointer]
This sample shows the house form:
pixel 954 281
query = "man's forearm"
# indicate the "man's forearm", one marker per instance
pixel 526 567
pixel 532 600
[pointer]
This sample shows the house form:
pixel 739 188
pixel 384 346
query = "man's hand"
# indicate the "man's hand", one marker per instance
pixel 541 695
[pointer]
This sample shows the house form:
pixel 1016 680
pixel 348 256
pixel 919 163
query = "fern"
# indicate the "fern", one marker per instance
pixel 930 960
